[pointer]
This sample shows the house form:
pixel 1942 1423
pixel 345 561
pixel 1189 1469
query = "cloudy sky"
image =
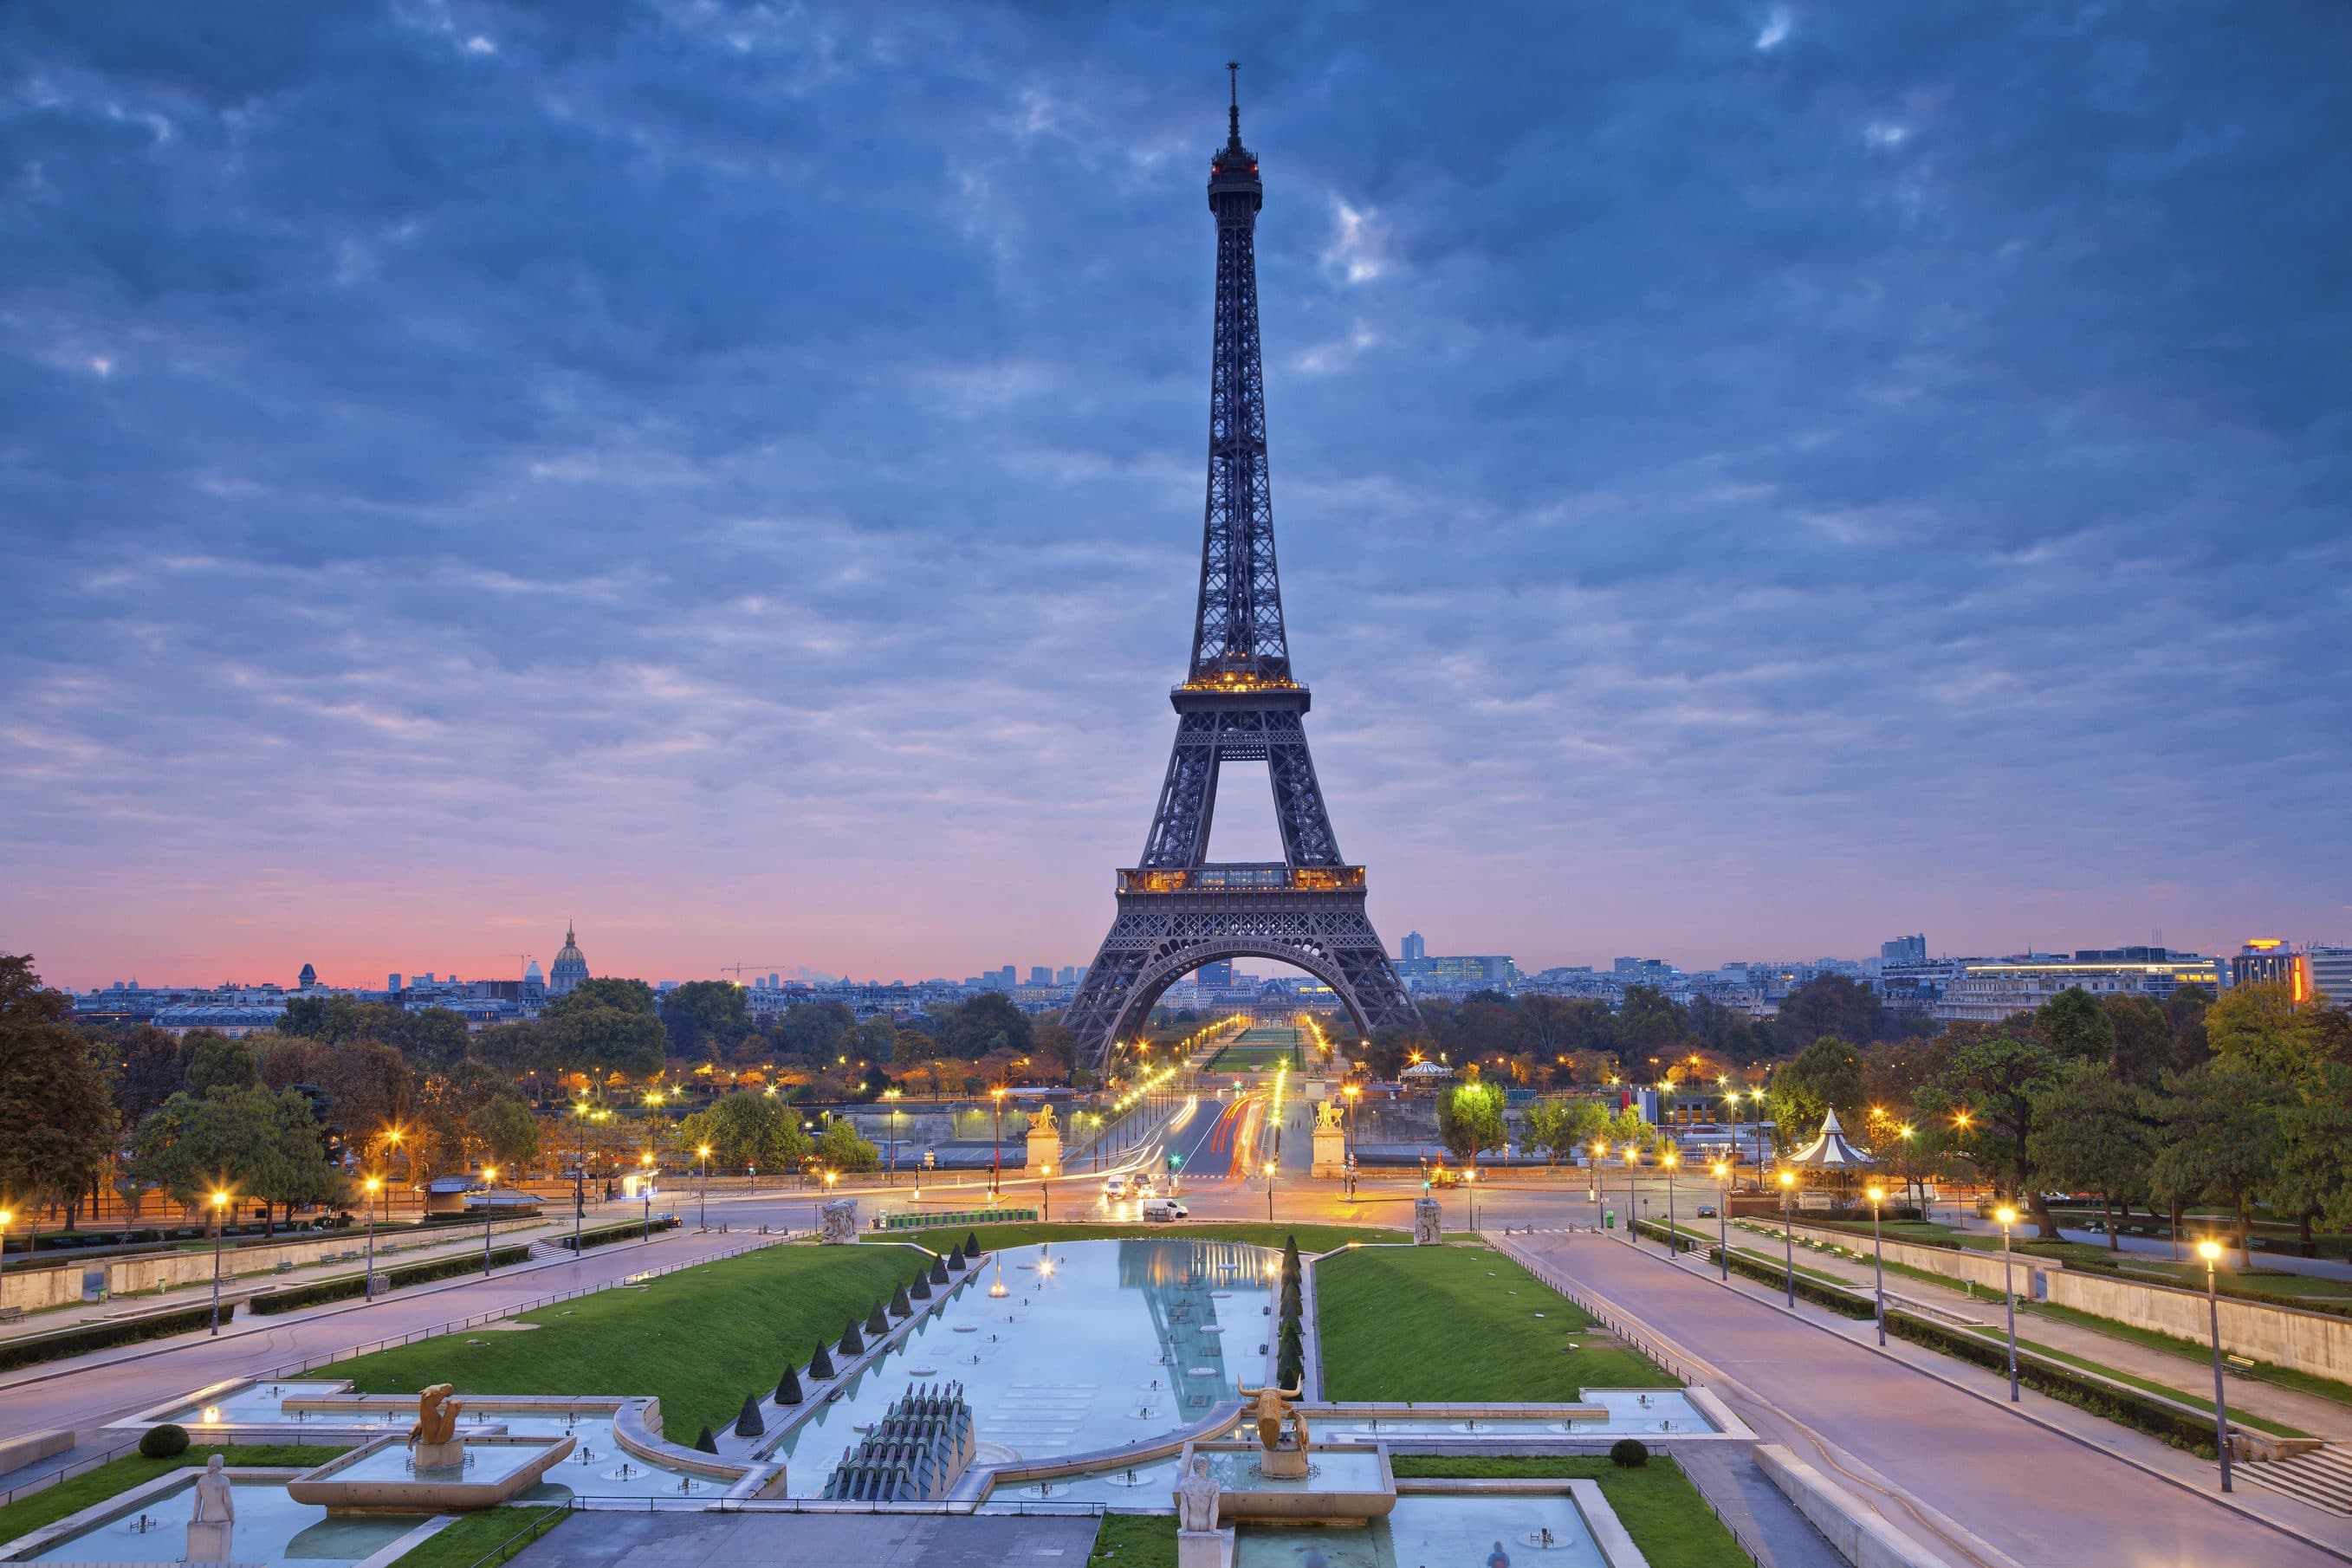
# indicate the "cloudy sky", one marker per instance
pixel 1752 479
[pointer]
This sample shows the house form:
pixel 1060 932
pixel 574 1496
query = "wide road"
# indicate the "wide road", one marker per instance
pixel 2034 1494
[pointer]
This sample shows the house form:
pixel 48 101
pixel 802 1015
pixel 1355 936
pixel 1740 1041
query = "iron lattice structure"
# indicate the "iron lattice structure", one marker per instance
pixel 1239 702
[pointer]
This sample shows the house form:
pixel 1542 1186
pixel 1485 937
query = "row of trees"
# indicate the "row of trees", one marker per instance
pixel 2244 1103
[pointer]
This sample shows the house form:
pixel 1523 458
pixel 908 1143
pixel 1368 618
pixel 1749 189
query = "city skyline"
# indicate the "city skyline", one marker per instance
pixel 1819 524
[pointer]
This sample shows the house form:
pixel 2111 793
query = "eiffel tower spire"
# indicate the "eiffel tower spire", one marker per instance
pixel 1239 702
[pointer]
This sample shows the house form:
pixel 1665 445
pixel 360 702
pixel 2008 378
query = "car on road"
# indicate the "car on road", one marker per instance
pixel 1114 1186
pixel 1142 1188
pixel 1707 1210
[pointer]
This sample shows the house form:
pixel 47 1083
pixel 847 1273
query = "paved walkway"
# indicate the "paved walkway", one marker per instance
pixel 2314 1413
pixel 1960 1471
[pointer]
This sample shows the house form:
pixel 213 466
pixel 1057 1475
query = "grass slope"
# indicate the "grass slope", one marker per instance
pixel 493 1535
pixel 1657 1504
pixel 1441 1324
pixel 697 1339
pixel 1135 1541
pixel 78 1492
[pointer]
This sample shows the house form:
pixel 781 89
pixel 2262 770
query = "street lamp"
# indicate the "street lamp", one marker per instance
pixel 2211 1251
pixel 1045 1197
pixel 1272 1169
pixel 1592 1171
pixel 702 1195
pixel 220 1213
pixel 1670 1159
pixel 1722 1219
pixel 1633 1158
pixel 7 1217
pixel 2008 1216
pixel 646 1192
pixel 1788 1234
pixel 489 1191
pixel 374 1186
pixel 996 1149
pixel 892 1096
pixel 1877 1196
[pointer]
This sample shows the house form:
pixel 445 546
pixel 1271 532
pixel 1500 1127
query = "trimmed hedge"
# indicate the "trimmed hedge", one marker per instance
pixel 272 1302
pixel 1819 1292
pixel 75 1341
pixel 1655 1229
pixel 604 1236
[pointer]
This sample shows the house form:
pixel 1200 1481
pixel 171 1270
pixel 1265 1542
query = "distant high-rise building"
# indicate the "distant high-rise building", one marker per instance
pixel 1216 975
pixel 2267 961
pixel 570 968
pixel 1414 947
pixel 1041 974
pixel 1066 975
pixel 1904 949
pixel 775 981
pixel 392 982
pixel 1646 971
pixel 2330 969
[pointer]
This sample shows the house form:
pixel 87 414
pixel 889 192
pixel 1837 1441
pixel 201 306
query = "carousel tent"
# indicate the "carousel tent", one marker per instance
pixel 1831 1152
pixel 1426 1072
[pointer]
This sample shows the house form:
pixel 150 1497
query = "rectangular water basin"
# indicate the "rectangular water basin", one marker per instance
pixel 256 1403
pixel 1094 1346
pixel 1643 1412
pixel 1342 1485
pixel 271 1527
pixel 1528 1530
pixel 388 1477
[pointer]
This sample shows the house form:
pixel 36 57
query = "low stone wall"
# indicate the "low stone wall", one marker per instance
pixel 35 1288
pixel 2317 1343
pixel 1860 1535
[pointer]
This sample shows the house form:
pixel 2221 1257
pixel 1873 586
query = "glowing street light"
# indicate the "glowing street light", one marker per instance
pixel 220 1213
pixel 490 1208
pixel 7 1218
pixel 702 1196
pixel 1722 1169
pixel 1877 1196
pixel 2211 1251
pixel 1670 1159
pixel 2007 1215
pixel 374 1186
pixel 1788 1234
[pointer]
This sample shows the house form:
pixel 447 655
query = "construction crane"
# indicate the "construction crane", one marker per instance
pixel 737 969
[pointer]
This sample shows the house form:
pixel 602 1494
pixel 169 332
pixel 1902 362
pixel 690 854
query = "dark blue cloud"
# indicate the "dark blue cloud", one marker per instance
pixel 1750 478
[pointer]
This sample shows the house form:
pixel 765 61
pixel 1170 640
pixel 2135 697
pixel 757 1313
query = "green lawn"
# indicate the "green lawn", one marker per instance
pixel 1657 1503
pixel 78 1492
pixel 1442 1323
pixel 494 1534
pixel 1312 1238
pixel 1254 1058
pixel 1135 1541
pixel 697 1339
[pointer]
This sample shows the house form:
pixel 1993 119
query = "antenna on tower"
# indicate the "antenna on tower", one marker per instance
pixel 1234 105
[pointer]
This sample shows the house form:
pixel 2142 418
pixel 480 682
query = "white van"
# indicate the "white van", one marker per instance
pixel 1165 1210
pixel 1114 1186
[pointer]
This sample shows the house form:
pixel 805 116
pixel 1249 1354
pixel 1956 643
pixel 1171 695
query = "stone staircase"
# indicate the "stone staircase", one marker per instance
pixel 2322 1478
pixel 548 1252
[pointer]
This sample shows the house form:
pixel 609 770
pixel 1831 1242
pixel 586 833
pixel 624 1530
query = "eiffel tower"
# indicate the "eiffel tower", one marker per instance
pixel 1177 909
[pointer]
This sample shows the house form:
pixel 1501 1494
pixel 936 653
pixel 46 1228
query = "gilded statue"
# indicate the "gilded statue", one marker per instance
pixel 1272 1407
pixel 1327 1116
pixel 436 1414
pixel 1043 1120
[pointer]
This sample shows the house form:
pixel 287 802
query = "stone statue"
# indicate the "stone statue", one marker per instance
pixel 1272 1407
pixel 838 1218
pixel 1043 1120
pixel 1327 1116
pixel 214 1522
pixel 437 1416
pixel 1196 1497
pixel 1428 1223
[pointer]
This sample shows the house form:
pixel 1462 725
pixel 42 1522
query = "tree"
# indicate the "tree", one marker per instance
pixel 216 1061
pixel 1470 1119
pixel 1982 1104
pixel 148 1066
pixel 2143 1051
pixel 1648 1022
pixel 705 1018
pixel 434 1037
pixel 2095 1132
pixel 814 1029
pixel 1825 1076
pixel 839 1148
pixel 249 1141
pixel 606 1025
pixel 985 1024
pixel 1562 1127
pixel 57 1117
pixel 2185 1011
pixel 2073 1024
pixel 505 1131
pixel 754 1130
pixel 2221 1140
pixel 1830 1005
pixel 2314 1177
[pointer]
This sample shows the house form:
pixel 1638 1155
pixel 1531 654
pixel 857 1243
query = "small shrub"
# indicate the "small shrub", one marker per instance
pixel 1628 1454
pixel 164 1442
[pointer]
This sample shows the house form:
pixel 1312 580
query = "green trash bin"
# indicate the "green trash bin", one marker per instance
pixel 1608 1220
